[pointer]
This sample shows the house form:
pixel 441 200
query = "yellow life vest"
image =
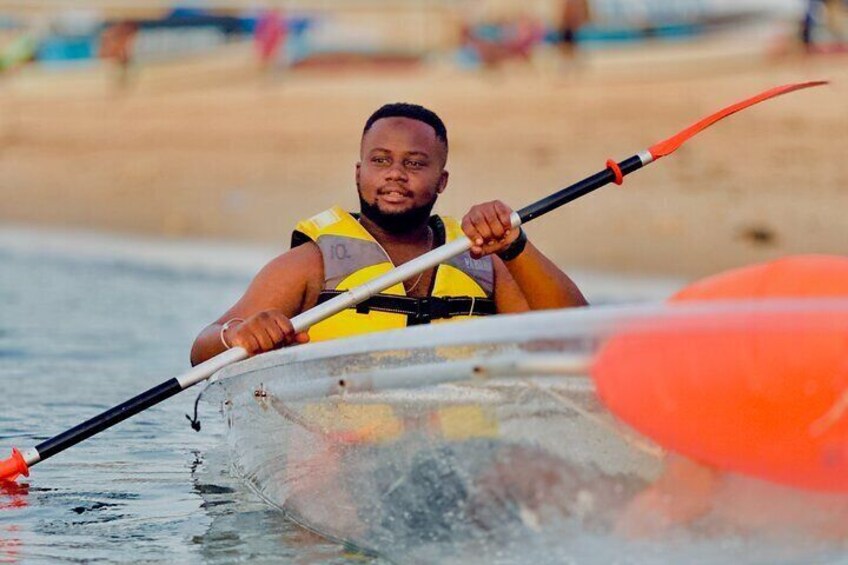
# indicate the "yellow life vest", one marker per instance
pixel 462 287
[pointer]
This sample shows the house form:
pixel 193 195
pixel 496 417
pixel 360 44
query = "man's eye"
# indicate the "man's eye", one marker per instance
pixel 379 160
pixel 414 164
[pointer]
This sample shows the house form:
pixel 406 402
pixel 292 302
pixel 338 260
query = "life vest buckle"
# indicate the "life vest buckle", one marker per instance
pixel 430 308
pixel 422 313
pixel 420 310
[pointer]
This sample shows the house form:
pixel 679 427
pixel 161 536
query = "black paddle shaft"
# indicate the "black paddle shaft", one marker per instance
pixel 578 189
pixel 108 419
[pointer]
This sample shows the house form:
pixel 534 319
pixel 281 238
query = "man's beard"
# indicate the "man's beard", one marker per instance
pixel 396 222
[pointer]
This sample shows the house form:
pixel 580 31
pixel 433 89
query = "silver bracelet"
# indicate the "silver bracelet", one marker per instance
pixel 224 328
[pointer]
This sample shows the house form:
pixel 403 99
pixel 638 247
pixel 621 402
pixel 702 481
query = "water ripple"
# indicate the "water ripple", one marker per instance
pixel 88 335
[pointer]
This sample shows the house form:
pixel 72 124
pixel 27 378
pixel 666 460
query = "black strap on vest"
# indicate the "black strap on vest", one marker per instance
pixel 420 310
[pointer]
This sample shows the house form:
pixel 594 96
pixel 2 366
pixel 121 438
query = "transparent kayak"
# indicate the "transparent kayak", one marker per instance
pixel 487 441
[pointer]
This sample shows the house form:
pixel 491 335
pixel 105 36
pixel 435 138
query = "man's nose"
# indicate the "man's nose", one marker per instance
pixel 396 172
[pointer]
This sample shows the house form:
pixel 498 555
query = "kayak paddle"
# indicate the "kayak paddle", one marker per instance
pixel 19 462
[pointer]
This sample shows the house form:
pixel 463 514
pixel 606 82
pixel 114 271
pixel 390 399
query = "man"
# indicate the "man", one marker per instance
pixel 574 14
pixel 400 175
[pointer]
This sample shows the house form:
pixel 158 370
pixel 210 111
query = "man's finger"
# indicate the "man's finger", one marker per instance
pixel 288 330
pixel 470 231
pixel 482 227
pixel 285 329
pixel 504 214
pixel 302 337
pixel 277 335
pixel 493 222
pixel 266 343
pixel 247 342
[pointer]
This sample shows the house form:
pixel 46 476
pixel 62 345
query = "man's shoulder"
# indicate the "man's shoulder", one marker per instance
pixel 305 258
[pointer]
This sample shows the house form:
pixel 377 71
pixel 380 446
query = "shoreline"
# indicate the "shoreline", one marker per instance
pixel 243 260
pixel 201 150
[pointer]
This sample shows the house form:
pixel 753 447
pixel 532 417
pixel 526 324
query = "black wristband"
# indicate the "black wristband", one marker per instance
pixel 515 248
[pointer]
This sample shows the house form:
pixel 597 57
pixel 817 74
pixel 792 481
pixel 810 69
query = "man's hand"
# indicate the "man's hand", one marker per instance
pixel 262 332
pixel 489 228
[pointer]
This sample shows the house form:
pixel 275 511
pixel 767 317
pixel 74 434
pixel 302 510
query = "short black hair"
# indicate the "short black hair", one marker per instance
pixel 413 112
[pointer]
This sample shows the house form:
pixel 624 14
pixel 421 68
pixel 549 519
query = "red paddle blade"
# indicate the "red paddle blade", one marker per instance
pixel 13 467
pixel 670 145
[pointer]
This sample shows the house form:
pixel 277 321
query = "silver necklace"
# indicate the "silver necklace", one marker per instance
pixel 421 274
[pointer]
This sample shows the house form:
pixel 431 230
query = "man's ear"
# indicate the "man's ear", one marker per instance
pixel 358 166
pixel 443 182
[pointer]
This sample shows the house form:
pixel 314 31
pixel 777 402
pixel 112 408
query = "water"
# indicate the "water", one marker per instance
pixel 87 322
pixel 83 328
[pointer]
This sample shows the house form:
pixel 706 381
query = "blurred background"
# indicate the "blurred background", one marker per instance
pixel 154 155
pixel 230 120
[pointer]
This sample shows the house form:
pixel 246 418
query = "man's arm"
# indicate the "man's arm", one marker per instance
pixel 529 280
pixel 259 321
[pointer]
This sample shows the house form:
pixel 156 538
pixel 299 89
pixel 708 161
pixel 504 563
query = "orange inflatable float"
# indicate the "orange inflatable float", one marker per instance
pixel 746 391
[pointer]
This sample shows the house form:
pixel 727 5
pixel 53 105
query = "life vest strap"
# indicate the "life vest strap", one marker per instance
pixel 421 310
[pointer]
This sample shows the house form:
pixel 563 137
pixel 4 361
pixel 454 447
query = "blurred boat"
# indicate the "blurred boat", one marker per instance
pixel 481 440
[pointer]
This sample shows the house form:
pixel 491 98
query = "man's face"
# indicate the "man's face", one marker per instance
pixel 402 168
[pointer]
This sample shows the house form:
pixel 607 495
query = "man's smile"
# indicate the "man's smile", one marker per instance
pixel 394 195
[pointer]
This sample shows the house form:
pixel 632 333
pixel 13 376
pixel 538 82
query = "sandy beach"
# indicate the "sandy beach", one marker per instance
pixel 209 148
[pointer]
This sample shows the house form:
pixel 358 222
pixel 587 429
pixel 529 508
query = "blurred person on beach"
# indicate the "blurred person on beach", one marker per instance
pixel 492 43
pixel 834 15
pixel 573 15
pixel 401 173
pixel 117 43
pixel 270 39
